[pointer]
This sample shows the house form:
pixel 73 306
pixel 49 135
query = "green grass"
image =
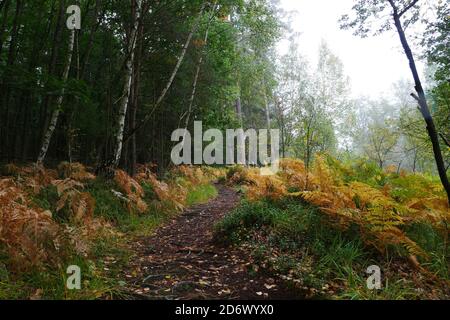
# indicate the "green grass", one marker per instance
pixel 434 243
pixel 106 204
pixel 300 243
pixel 134 225
pixel 50 282
pixel 201 194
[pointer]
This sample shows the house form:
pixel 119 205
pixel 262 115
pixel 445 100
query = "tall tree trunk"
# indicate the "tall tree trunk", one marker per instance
pixel 55 116
pixel 239 112
pixel 57 36
pixel 133 155
pixel 266 103
pixel 95 25
pixel 415 161
pixel 25 132
pixel 5 7
pixel 127 86
pixel 280 120
pixel 12 53
pixel 130 145
pixel 241 138
pixel 135 101
pixel 2 4
pixel 27 115
pixel 423 104
pixel 197 71
pixel 173 75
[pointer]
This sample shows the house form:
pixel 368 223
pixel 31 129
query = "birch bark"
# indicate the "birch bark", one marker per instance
pixel 172 77
pixel 55 115
pixel 123 106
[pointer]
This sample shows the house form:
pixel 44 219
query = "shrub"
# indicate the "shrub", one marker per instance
pixel 27 233
pixel 381 204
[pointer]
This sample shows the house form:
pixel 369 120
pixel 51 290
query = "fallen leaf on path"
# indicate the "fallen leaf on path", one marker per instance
pixel 269 286
pixel 225 291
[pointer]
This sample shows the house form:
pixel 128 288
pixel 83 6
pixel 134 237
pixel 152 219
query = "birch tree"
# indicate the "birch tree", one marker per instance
pixel 55 115
pixel 402 13
pixel 197 71
pixel 123 104
pixel 172 76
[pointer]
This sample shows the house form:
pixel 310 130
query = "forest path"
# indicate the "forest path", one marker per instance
pixel 181 260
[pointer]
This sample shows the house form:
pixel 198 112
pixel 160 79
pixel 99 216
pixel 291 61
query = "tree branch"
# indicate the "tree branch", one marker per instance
pixel 394 7
pixel 406 9
pixel 445 139
pixel 416 97
pixel 172 77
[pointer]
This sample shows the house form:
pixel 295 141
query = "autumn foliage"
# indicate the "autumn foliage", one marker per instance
pixel 32 236
pixel 381 205
pixel 24 229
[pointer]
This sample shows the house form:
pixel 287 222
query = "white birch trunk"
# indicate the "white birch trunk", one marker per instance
pixel 241 147
pixel 174 73
pixel 197 74
pixel 123 106
pixel 55 116
pixel 181 58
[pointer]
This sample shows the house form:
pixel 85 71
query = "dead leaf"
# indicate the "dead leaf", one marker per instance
pixel 37 295
pixel 270 286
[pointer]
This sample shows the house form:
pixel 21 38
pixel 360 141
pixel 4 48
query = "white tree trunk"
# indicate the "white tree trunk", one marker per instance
pixel 194 88
pixel 266 102
pixel 181 58
pixel 123 106
pixel 174 73
pixel 57 111
pixel 241 137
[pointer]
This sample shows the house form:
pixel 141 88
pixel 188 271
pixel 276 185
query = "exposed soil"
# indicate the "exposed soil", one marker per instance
pixel 181 260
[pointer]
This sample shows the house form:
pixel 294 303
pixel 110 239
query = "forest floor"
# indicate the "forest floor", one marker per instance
pixel 181 260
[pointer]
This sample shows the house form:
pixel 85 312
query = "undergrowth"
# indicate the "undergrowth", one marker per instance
pixel 322 228
pixel 51 219
pixel 297 243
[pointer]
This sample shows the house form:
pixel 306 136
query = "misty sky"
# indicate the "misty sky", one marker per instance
pixel 373 64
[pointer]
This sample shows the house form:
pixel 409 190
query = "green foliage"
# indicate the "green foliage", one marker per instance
pixel 107 205
pixel 312 102
pixel 295 241
pixel 435 41
pixel 362 170
pixel 366 16
pixel 30 72
pixel 47 198
pixel 434 242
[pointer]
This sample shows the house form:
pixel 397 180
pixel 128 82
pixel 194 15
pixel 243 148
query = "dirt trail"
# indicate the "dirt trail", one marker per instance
pixel 181 261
